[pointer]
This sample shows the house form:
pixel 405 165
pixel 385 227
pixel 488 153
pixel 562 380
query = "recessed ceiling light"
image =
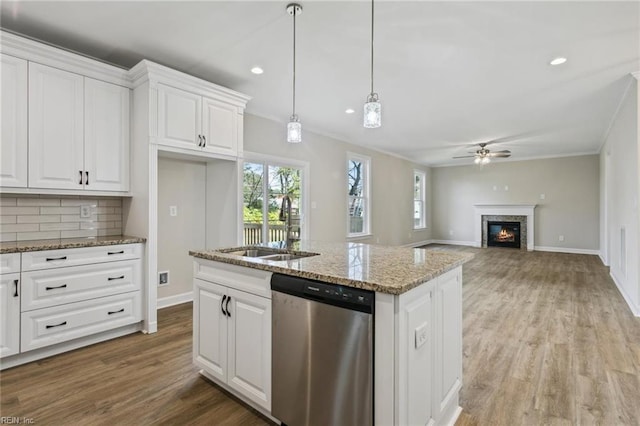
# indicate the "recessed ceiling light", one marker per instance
pixel 257 70
pixel 558 61
pixel 349 111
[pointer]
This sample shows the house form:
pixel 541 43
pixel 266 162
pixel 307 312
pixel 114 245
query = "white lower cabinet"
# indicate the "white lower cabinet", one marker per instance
pixel 427 366
pixel 232 338
pixel 48 298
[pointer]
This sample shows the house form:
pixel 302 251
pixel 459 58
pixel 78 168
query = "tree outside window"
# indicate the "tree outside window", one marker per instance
pixel 419 216
pixel 358 195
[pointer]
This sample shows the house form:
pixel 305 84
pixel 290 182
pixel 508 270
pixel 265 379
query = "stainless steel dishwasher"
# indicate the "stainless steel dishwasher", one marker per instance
pixel 322 353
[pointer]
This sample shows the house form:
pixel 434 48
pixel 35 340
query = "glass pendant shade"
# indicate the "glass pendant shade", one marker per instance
pixel 477 160
pixel 294 130
pixel 372 112
pixel 485 160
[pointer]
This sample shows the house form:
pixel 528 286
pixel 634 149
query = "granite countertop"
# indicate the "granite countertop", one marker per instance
pixel 65 243
pixel 385 269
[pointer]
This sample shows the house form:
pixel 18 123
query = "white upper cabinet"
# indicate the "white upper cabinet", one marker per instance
pixel 106 136
pixel 219 126
pixel 13 92
pixel 179 118
pixel 65 121
pixel 78 132
pixel 198 123
pixel 56 128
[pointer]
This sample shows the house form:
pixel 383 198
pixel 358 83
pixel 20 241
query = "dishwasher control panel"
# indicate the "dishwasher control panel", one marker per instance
pixel 338 292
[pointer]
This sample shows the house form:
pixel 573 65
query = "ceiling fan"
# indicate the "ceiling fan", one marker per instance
pixel 484 155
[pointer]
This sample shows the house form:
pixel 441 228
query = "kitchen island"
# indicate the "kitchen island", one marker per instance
pixel 418 321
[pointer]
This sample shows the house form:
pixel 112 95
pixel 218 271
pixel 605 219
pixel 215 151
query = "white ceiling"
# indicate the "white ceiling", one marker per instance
pixel 448 73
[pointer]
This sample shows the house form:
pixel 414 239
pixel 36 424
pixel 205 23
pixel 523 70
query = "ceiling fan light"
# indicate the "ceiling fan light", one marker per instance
pixel 372 112
pixel 294 130
pixel 485 160
pixel 477 160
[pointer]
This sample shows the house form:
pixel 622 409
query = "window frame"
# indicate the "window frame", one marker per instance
pixel 266 161
pixel 366 195
pixel 423 199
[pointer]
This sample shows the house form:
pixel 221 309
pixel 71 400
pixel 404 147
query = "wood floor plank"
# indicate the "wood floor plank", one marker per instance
pixel 547 340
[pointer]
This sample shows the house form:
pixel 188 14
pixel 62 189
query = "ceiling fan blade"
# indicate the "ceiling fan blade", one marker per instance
pixel 499 155
pixel 504 151
pixel 465 156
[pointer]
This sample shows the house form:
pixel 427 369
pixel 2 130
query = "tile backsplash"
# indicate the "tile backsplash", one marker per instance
pixel 44 217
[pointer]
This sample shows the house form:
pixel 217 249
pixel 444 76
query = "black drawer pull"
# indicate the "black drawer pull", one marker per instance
pixel 115 312
pixel 115 252
pixel 227 307
pixel 51 259
pixel 57 325
pixel 87 179
pixel 121 277
pixel 204 141
pixel 15 290
pixel 54 288
pixel 80 171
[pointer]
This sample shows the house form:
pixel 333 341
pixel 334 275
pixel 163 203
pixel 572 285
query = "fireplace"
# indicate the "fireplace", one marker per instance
pixel 503 234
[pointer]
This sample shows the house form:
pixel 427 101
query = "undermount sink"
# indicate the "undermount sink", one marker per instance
pixel 273 255
pixel 285 256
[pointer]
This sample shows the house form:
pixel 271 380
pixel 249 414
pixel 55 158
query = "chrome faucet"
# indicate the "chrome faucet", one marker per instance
pixel 285 216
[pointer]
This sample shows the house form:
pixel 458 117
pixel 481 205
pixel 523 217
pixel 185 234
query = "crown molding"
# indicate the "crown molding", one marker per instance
pixel 147 71
pixel 36 51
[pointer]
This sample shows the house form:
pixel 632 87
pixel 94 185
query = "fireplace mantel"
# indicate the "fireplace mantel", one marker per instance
pixel 506 210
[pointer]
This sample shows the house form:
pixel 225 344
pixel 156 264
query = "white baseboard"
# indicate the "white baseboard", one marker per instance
pixel 567 250
pixel 604 261
pixel 454 242
pixel 177 299
pixel 634 309
pixel 418 244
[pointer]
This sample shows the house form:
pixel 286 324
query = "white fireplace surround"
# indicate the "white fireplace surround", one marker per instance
pixel 503 210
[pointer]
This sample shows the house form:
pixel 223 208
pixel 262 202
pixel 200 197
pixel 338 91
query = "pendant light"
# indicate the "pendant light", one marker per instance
pixel 372 108
pixel 294 127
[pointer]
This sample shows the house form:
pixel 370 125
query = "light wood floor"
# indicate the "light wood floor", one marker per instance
pixel 547 340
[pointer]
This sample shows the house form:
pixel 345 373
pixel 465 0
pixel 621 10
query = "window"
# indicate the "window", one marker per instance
pixel 358 195
pixel 419 217
pixel 264 186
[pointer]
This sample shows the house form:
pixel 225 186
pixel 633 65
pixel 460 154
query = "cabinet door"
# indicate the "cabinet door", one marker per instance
pixel 415 356
pixel 106 140
pixel 209 329
pixel 179 118
pixel 250 346
pixel 9 314
pixel 220 127
pixel 56 140
pixel 13 164
pixel 449 339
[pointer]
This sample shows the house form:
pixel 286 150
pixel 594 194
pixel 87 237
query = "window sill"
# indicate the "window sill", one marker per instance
pixel 424 228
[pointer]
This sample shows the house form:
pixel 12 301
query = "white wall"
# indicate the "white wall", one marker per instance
pixel 620 157
pixel 181 183
pixel 570 208
pixel 391 179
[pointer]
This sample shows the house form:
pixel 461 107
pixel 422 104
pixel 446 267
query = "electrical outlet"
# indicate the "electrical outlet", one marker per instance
pixel 163 278
pixel 421 334
pixel 495 187
pixel 542 196
pixel 314 205
pixel 451 232
pixel 560 237
pixel 85 211
pixel 506 187
pixel 173 210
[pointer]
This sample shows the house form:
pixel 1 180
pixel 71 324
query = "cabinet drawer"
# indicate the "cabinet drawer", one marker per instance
pixel 58 324
pixel 241 278
pixel 9 263
pixel 51 287
pixel 47 259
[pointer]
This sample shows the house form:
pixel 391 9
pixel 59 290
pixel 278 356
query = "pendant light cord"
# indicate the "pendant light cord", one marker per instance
pixel 372 46
pixel 295 12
